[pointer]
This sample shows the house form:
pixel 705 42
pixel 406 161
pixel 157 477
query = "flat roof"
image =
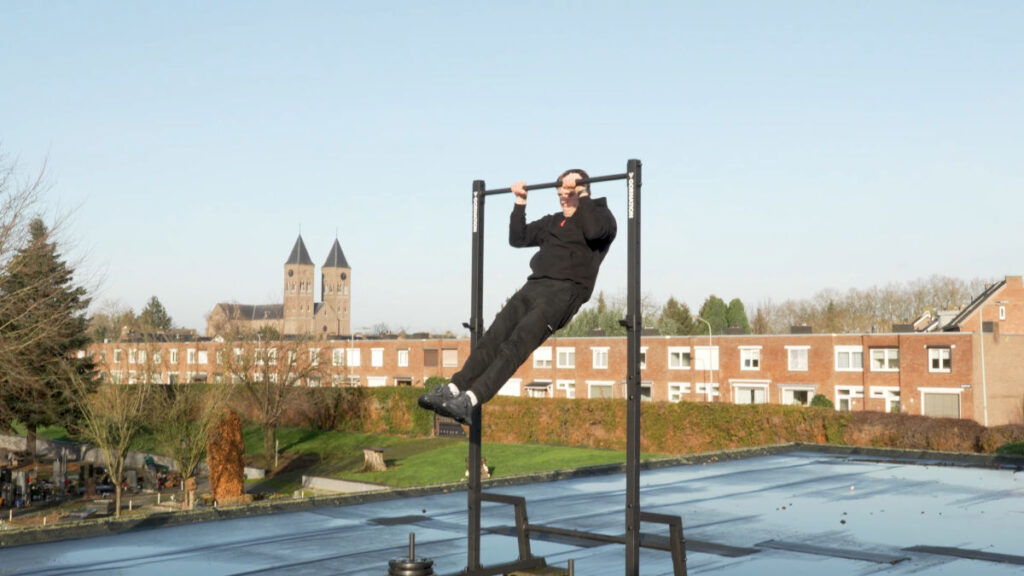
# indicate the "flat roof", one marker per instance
pixel 800 512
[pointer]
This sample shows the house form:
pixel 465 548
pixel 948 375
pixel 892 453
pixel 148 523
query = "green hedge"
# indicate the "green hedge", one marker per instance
pixel 669 428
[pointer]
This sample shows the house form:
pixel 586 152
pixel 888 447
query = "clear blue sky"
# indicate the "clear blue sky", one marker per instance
pixel 788 146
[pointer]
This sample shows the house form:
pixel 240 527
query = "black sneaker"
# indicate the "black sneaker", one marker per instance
pixel 459 409
pixel 436 397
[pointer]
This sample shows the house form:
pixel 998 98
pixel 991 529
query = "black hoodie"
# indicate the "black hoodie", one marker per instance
pixel 570 248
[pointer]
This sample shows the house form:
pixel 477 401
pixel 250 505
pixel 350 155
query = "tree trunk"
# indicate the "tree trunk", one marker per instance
pixel 269 445
pixel 30 440
pixel 116 470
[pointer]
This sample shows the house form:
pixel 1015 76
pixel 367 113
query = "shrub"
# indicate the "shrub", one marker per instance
pixel 820 401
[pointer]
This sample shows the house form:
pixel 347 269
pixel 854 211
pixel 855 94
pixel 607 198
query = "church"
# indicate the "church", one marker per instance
pixel 299 314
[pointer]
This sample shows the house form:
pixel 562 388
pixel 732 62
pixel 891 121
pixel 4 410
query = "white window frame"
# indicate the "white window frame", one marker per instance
pixel 512 387
pixel 565 357
pixel 377 357
pixel 740 386
pixel 676 391
pixel 172 356
pixel 1002 312
pixel 599 357
pixel 936 353
pixel 314 356
pixel 117 355
pixel 142 357
pixel 786 390
pixel 705 358
pixel 887 355
pixel 847 393
pixel 643 357
pixel 402 357
pixel 202 356
pixel 132 355
pixel 542 357
pixel 591 384
pixel 537 391
pixel 567 386
pixel 354 357
pixel 646 391
pixel 849 352
pixel 376 381
pixel 337 357
pixel 680 358
pixel 449 357
pixel 891 395
pixel 156 357
pixel 750 358
pixel 795 366
pixel 190 357
pixel 710 390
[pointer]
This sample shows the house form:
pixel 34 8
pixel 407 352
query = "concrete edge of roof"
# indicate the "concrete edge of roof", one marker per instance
pixel 108 526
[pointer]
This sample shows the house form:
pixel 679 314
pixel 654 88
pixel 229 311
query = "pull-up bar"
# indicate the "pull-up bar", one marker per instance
pixel 579 182
pixel 634 326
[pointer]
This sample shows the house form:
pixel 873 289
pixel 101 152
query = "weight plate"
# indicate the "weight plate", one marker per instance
pixel 414 572
pixel 406 564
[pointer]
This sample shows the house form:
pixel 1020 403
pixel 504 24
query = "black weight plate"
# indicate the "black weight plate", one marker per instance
pixel 420 572
pixel 406 564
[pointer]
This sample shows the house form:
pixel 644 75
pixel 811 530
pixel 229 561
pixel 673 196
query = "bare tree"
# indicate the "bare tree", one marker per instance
pixel 268 374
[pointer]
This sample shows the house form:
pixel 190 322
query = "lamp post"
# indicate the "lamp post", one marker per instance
pixel 707 387
pixel 981 336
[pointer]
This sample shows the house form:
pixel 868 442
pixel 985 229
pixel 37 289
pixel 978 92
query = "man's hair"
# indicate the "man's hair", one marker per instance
pixel 581 172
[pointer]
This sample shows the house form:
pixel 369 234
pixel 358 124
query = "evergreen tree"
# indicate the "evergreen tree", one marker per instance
pixel 736 316
pixel 154 317
pixel 675 319
pixel 715 311
pixel 51 327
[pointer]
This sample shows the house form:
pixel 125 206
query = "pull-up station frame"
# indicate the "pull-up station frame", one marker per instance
pixel 634 326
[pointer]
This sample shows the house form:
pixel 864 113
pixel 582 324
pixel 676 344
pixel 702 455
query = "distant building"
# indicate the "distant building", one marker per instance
pixel 299 314
pixel 971 369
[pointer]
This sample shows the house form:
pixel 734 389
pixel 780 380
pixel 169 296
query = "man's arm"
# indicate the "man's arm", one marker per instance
pixel 596 219
pixel 521 234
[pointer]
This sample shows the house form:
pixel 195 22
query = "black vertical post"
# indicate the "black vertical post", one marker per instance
pixel 476 330
pixel 634 329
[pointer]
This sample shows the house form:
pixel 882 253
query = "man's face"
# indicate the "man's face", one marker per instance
pixel 568 192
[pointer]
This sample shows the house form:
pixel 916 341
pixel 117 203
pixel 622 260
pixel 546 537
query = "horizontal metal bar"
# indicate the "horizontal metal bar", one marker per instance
pixel 502 498
pixel 656 518
pixel 581 181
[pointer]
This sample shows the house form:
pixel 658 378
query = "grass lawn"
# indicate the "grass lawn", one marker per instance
pixel 411 461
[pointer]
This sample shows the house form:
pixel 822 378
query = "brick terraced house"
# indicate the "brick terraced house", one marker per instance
pixel 948 369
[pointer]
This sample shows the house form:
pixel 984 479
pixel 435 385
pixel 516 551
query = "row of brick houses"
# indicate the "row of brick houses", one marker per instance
pixel 951 370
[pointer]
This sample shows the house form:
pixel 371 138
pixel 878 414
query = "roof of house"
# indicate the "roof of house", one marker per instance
pixel 299 253
pixel 954 324
pixel 336 259
pixel 253 311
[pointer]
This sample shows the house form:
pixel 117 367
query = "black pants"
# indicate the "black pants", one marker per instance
pixel 539 308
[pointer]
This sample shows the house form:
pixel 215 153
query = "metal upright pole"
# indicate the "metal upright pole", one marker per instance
pixel 634 329
pixel 476 330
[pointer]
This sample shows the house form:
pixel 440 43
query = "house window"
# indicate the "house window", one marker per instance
pixel 705 357
pixel 849 358
pixel 679 358
pixel 600 390
pixel 271 356
pixel 403 357
pixel 600 358
pixel 132 356
pixel 431 357
pixel 939 360
pixel 566 357
pixel 885 359
pixel 204 357
pixel 676 391
pixel 354 358
pixel 846 397
pixel 750 359
pixel 117 355
pixel 643 357
pixel 314 356
pixel 568 387
pixel 156 357
pixel 646 391
pixel 293 356
pixel 708 389
pixel 142 356
pixel 190 357
pixel 1002 312
pixel 891 395
pixel 450 357
pixel 511 387
pixel 376 381
pixel 172 378
pixel 377 357
pixel 538 389
pixel 542 357
pixel 338 357
pixel 797 358
pixel 173 356
pixel 750 394
pixel 799 395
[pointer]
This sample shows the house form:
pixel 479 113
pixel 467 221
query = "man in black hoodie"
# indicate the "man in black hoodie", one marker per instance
pixel 573 243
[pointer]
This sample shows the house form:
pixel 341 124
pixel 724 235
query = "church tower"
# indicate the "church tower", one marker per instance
pixel 298 290
pixel 336 282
